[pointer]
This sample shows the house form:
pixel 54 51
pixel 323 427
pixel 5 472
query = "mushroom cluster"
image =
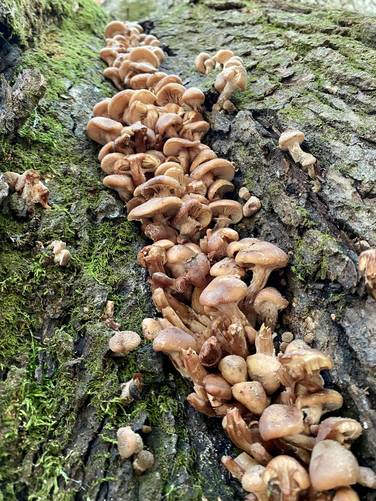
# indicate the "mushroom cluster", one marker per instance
pixel 218 312
pixel 30 188
pixel 233 75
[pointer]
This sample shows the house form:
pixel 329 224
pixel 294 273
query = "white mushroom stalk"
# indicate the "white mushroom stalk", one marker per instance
pixel 211 288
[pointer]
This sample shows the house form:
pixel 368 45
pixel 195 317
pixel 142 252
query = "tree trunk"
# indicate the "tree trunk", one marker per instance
pixel 314 70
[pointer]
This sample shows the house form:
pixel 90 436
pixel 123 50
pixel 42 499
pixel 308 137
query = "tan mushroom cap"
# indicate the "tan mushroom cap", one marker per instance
pixel 193 97
pixel 158 184
pixel 172 340
pixel 121 183
pixel 252 395
pixel 233 368
pixel 170 93
pixel 332 466
pixel 346 494
pixel 167 79
pixel 173 146
pixel 202 156
pixel 124 342
pixel 219 189
pixel 101 108
pixel 218 387
pixel 166 206
pixel 279 420
pixel 218 167
pixel 223 290
pixel 226 266
pixel 167 122
pixel 143 54
pixel 286 475
pixel 128 442
pixel 290 137
pixel 342 430
pixel 113 28
pixel 102 129
pixel 119 104
pixel 139 81
pixel 262 253
pixel 143 96
pixel 227 208
pixel 269 295
pixel 299 361
pixel 200 60
pixel 222 56
pixel 316 404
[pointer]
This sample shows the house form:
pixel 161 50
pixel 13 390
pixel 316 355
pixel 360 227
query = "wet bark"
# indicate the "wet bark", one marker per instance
pixel 307 69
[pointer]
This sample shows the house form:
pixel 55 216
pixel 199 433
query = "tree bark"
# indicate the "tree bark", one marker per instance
pixel 314 70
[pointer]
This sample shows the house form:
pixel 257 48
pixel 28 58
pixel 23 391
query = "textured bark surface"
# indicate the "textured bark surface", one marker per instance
pixel 59 387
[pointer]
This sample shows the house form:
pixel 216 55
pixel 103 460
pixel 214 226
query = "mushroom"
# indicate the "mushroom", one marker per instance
pixel 128 442
pixel 216 242
pixel 244 193
pixel 228 81
pixel 61 253
pixel 226 266
pixel 102 129
pixel 264 366
pixel 226 212
pixel 31 188
pixel 279 421
pixel 346 494
pixel 217 388
pixel 252 205
pixel 367 267
pixel 233 369
pixel 204 63
pixel 121 183
pixel 191 218
pixel 131 390
pixel 343 430
pixel 317 404
pixel 253 481
pixel 286 478
pixel 252 395
pixel 290 140
pixel 123 342
pixel 144 460
pixel 222 56
pixel 156 208
pixel 267 304
pixel 261 258
pixel 332 466
pixel 211 352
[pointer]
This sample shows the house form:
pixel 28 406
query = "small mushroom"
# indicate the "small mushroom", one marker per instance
pixel 30 186
pixel 367 267
pixel 346 494
pixel 252 395
pixel 211 352
pixel 286 478
pixel 253 481
pixel 252 205
pixel 332 466
pixel 317 404
pixel 279 421
pixel 343 430
pixel 244 193
pixel 231 79
pixel 290 140
pixel 267 305
pixel 204 63
pixel 233 368
pixel 103 130
pixel 123 342
pixel 144 460
pixel 128 442
pixel 61 254
pixel 131 390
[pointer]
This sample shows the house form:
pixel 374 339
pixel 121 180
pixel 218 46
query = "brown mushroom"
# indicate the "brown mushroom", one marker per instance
pixel 279 421
pixel 267 305
pixel 286 478
pixel 233 368
pixel 128 442
pixel 102 129
pixel 367 267
pixel 204 63
pixel 123 342
pixel 343 430
pixel 252 395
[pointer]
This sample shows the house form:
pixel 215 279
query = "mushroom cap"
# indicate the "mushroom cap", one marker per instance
pixel 227 208
pixel 113 28
pixel 174 145
pixel 101 108
pixel 193 97
pixel 223 55
pixel 124 341
pixel 170 93
pixel 226 266
pixel 179 254
pixel 233 368
pixel 143 54
pixel 343 430
pixel 128 442
pixel 172 340
pixel 143 96
pixel 167 120
pixel 252 395
pixel 218 167
pixel 168 206
pixel 200 60
pixel 223 290
pixel 289 137
pixel 332 466
pixel 103 129
pixel 252 480
pixel 287 475
pixel 280 420
pixel 203 156
pixel 346 494
pixel 263 254
pixel 118 181
pixel 217 386
pixel 143 461
pixel 167 79
pixel 329 400
pixel 219 189
pixel 269 295
pixel 119 104
pixel 157 184
pixel 303 359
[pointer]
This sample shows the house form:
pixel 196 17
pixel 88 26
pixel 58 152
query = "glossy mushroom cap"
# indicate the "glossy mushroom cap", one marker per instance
pixel 252 395
pixel 233 368
pixel 102 129
pixel 172 340
pixel 342 430
pixel 166 206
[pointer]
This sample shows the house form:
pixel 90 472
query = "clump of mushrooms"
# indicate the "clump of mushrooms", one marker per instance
pixel 30 188
pixel 218 312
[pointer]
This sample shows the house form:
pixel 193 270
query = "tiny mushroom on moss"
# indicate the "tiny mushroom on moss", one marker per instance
pixel 123 342
pixel 367 267
pixel 62 255
pixel 144 460
pixel 128 442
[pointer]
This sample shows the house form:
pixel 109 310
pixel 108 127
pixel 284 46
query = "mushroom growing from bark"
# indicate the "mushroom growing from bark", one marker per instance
pixel 290 140
pixel 61 253
pixel 123 342
pixel 144 460
pixel 367 267
pixel 128 442
pixel 279 420
pixel 31 188
pixel 267 304
pixel 286 478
